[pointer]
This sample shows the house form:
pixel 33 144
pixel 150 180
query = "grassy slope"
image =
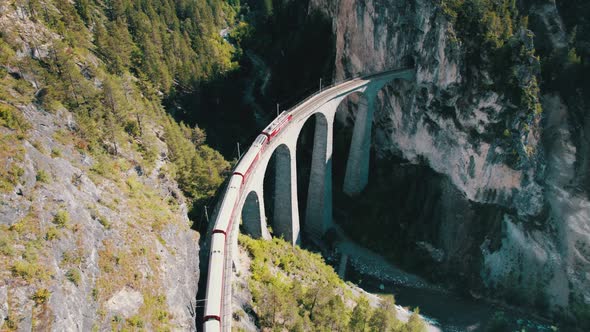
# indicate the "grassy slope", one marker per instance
pixel 295 289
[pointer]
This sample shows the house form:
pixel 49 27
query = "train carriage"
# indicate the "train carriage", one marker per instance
pixel 278 123
pixel 222 229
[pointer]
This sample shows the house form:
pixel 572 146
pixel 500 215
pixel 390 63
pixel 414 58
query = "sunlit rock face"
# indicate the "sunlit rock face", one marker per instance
pixel 520 228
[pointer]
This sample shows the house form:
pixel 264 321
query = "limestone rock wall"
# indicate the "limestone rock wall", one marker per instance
pixel 535 243
pixel 126 249
pixel 87 242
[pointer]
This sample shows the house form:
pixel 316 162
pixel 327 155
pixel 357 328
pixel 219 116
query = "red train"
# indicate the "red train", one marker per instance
pixel 223 222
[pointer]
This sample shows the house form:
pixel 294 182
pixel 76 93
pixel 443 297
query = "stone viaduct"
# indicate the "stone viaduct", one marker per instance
pixel 249 209
pixel 318 215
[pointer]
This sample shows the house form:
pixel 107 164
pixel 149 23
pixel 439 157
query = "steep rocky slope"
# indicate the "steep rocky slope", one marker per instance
pixel 488 189
pixel 96 179
pixel 84 250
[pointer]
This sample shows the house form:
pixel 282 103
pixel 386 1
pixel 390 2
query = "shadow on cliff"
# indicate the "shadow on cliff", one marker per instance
pixel 296 46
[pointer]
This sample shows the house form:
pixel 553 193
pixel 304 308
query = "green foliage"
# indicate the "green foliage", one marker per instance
pixel 104 222
pixel 55 153
pixel 164 42
pixel 105 166
pixel 267 7
pixel 114 43
pixel 199 171
pixel 360 315
pixel 415 323
pixel 11 155
pixel 111 63
pixel 6 243
pixel 135 321
pixel 83 9
pixel 148 51
pixel 39 146
pixel 41 296
pixel 485 22
pixel 11 177
pixel 12 118
pixel 52 234
pixel 29 271
pixel 573 58
pixel 294 289
pixel 575 14
pixel 280 301
pixel 132 128
pixel 71 257
pixel 42 176
pixel 61 218
pixel 10 323
pixel 73 275
pixel 383 317
pixel 496 41
pixel 241 33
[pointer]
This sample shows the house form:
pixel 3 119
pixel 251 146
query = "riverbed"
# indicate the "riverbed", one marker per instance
pixel 440 307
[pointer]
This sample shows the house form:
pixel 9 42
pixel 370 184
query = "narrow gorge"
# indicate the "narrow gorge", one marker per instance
pixel 122 123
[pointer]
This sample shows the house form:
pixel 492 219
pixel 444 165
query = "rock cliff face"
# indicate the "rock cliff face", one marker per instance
pixel 122 250
pixel 511 215
pixel 87 241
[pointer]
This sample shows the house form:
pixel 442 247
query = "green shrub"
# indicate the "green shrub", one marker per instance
pixel 162 316
pixel 71 257
pixel 55 153
pixel 10 323
pixel 29 271
pixel 105 166
pixel 12 118
pixel 61 218
pixel 52 234
pixel 11 177
pixel 199 172
pixel 104 222
pixel 573 58
pixel 41 296
pixel 74 276
pixel 31 253
pixel 42 176
pixel 6 243
pixel 415 323
pixel 135 321
pixel 132 128
pixel 39 146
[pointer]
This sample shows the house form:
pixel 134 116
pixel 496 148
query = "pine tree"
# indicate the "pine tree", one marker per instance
pixel 360 315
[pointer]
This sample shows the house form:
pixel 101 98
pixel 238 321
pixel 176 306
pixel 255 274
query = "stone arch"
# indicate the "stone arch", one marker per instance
pixel 351 147
pixel 357 166
pixel 347 110
pixel 315 185
pixel 284 215
pixel 253 218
